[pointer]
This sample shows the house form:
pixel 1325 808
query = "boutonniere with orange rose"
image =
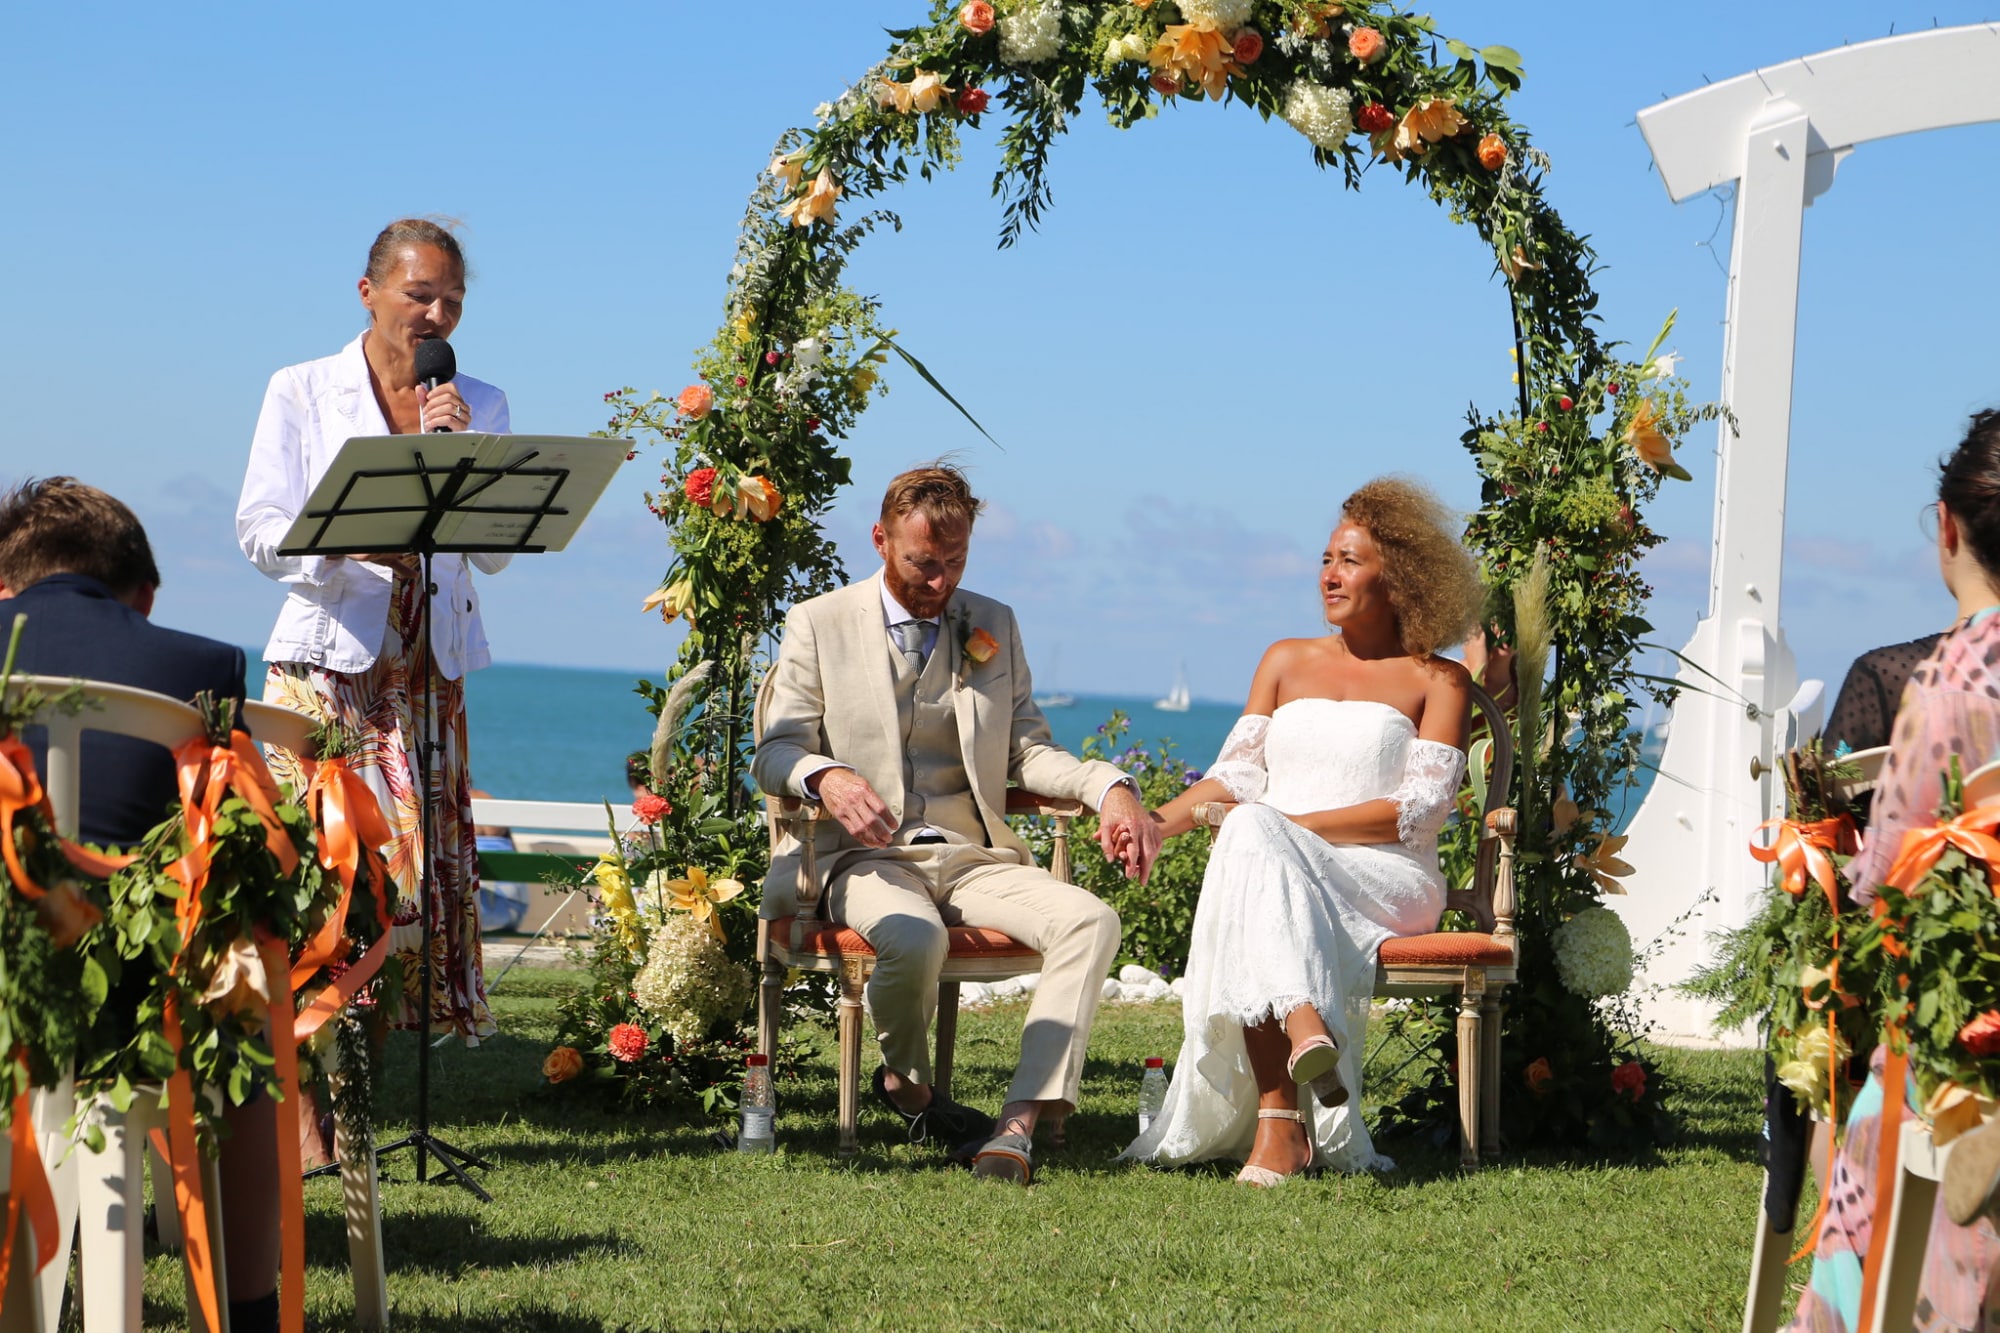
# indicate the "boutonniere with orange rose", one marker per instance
pixel 975 646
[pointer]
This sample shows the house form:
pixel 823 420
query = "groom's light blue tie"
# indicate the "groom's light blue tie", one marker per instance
pixel 909 636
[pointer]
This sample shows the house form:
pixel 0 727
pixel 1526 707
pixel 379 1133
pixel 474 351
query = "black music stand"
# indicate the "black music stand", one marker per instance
pixel 383 496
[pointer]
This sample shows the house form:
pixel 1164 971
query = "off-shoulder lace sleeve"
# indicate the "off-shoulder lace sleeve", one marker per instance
pixel 1240 766
pixel 1432 771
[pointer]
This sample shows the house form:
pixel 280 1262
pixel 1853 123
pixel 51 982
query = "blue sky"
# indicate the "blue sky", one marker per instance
pixel 1206 347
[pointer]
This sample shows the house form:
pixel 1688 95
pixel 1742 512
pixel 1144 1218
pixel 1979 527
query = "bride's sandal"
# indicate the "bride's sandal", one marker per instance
pixel 1316 1062
pixel 1263 1177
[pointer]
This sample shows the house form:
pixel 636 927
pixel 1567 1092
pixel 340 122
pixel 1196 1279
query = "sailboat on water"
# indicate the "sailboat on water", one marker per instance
pixel 1055 698
pixel 1177 699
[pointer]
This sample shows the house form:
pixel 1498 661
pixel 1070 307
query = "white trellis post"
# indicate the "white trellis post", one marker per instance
pixel 1779 134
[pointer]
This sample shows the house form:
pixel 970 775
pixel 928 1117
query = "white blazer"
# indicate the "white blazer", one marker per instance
pixel 336 611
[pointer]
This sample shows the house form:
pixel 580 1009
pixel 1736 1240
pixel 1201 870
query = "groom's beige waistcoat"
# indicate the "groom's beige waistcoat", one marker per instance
pixel 939 746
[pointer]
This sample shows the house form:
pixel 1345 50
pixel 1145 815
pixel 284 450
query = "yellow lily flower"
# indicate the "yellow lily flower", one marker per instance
pixel 672 602
pixel 696 896
pixel 1603 864
pixel 816 204
pixel 615 887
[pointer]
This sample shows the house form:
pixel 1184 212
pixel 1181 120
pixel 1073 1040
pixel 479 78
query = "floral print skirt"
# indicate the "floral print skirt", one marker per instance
pixel 381 708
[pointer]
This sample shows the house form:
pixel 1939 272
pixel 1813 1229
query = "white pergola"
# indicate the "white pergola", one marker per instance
pixel 1779 134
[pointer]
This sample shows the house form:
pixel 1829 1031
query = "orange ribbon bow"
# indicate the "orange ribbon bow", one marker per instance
pixel 352 831
pixel 1801 849
pixel 1971 833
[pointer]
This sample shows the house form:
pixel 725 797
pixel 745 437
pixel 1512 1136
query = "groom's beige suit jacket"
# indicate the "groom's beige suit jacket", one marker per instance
pixel 833 702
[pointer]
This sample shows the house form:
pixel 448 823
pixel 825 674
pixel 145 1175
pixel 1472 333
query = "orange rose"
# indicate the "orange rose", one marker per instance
pixel 1981 1037
pixel 1492 152
pixel 1537 1075
pixel 1367 45
pixel 564 1063
pixel 1249 44
pixel 1165 83
pixel 976 17
pixel 696 401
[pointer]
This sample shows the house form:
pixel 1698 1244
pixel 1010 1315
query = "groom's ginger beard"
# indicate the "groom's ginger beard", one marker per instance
pixel 921 563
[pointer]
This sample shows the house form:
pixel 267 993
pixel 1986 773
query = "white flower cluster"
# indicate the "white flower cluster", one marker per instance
pixel 1032 33
pixel 1594 953
pixel 1223 14
pixel 807 353
pixel 688 982
pixel 1324 115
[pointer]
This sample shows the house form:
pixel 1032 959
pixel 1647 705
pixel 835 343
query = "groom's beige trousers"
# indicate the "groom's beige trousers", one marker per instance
pixel 902 898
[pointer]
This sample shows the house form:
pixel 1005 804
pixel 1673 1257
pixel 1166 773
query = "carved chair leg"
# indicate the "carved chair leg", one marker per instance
pixel 1469 1059
pixel 947 1037
pixel 852 980
pixel 1490 1013
pixel 770 994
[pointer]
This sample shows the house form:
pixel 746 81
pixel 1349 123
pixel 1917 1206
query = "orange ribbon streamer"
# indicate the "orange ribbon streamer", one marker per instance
pixel 207 772
pixel 28 1193
pixel 185 1159
pixel 1895 1095
pixel 291 1173
pixel 20 790
pixel 351 833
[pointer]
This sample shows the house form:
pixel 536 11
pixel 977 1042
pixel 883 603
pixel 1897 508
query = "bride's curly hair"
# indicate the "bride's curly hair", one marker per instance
pixel 1433 584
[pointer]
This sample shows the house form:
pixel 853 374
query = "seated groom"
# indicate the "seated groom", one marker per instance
pixel 76 562
pixel 880 713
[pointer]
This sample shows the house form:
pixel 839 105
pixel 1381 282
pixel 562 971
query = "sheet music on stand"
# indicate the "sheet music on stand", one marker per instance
pixel 455 492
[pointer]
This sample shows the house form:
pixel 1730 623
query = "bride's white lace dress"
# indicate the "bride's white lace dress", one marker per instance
pixel 1287 918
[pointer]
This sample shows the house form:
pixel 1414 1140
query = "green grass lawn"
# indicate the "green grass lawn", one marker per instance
pixel 609 1220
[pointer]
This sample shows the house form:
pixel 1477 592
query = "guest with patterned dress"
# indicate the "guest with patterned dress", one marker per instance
pixel 346 646
pixel 1950 709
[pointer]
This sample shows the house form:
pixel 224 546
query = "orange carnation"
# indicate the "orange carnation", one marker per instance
pixel 564 1063
pixel 696 401
pixel 1492 152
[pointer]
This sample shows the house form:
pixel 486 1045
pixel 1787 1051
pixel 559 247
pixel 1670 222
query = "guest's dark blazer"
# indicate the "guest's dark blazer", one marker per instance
pixel 76 628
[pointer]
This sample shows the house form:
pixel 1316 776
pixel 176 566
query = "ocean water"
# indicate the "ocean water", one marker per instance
pixel 562 733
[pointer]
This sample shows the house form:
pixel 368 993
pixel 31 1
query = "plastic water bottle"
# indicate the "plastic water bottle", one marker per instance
pixel 1152 1091
pixel 759 1112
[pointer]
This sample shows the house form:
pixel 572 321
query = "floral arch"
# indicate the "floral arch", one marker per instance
pixel 753 461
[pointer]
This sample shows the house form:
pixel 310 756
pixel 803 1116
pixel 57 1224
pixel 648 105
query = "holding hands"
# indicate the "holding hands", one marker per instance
pixel 1127 832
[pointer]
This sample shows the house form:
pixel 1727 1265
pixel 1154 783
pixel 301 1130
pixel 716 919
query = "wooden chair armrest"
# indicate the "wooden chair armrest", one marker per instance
pixel 795 817
pixel 1210 814
pixel 1020 802
pixel 1502 824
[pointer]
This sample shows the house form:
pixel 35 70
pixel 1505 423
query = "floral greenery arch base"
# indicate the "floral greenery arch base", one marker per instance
pixel 752 461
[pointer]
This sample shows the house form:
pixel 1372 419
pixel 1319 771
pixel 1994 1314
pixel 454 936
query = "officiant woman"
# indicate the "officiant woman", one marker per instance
pixel 346 647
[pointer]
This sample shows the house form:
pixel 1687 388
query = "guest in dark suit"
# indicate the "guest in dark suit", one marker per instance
pixel 77 563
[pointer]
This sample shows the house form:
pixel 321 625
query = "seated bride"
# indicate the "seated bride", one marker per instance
pixel 1345 765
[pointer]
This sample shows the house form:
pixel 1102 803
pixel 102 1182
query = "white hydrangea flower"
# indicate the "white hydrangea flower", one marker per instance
pixel 688 981
pixel 1594 953
pixel 1032 33
pixel 1324 115
pixel 1224 14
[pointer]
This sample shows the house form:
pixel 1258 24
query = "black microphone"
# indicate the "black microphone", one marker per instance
pixel 436 364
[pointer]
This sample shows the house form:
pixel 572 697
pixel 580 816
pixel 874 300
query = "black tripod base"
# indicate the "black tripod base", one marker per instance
pixel 427 1144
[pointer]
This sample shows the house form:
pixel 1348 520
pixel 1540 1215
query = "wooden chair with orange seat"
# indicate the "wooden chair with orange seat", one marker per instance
pixel 1475 966
pixel 810 941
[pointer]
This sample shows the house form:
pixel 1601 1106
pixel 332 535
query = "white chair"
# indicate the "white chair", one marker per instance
pixel 105 1191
